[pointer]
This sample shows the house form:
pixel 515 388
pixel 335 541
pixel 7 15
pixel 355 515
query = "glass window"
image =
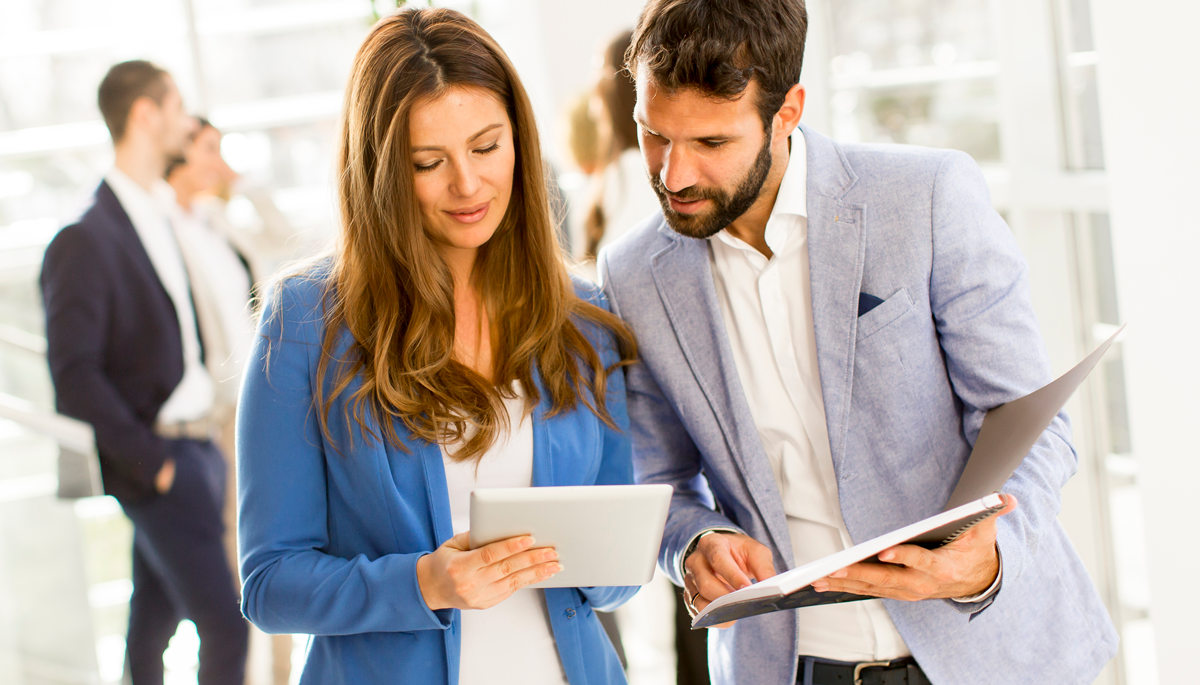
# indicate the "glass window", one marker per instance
pixel 919 72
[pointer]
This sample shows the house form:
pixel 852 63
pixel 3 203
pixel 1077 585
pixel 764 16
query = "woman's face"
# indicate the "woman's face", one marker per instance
pixel 463 161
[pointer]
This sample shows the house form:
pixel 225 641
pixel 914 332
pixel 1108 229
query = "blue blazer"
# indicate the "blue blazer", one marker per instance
pixel 114 345
pixel 905 385
pixel 330 541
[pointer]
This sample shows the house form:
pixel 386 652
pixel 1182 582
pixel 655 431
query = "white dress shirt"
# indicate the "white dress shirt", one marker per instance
pixel 511 642
pixel 767 308
pixel 193 398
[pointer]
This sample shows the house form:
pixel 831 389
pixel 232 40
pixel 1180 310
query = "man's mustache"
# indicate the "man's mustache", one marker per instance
pixel 688 194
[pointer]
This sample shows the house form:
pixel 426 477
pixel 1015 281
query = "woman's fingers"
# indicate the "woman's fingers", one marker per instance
pixel 516 563
pixel 504 587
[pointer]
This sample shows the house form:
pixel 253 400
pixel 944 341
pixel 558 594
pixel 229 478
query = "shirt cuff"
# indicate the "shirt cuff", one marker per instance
pixel 691 546
pixel 991 590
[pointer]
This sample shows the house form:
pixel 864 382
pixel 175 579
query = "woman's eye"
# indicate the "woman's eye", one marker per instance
pixel 489 149
pixel 427 167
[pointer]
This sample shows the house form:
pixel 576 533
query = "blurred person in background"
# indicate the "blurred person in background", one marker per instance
pixel 440 348
pixel 622 196
pixel 823 328
pixel 221 278
pixel 225 265
pixel 126 355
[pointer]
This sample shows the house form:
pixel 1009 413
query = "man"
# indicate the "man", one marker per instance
pixel 125 356
pixel 822 328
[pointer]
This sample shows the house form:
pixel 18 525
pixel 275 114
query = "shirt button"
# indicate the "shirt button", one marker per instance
pixel 570 613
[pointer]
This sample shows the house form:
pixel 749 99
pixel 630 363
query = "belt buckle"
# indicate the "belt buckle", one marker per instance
pixel 858 668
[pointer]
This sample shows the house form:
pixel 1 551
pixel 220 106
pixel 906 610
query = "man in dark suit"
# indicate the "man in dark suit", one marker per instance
pixel 126 356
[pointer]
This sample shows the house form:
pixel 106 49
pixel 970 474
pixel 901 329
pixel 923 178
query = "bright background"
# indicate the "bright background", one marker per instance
pixel 1079 112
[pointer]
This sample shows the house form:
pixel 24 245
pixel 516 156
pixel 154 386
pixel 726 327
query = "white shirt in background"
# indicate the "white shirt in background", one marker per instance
pixel 193 398
pixel 767 308
pixel 511 642
pixel 222 272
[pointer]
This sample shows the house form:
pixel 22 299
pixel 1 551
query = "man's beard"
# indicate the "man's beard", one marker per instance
pixel 726 207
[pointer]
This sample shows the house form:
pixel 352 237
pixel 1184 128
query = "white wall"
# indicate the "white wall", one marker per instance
pixel 1149 105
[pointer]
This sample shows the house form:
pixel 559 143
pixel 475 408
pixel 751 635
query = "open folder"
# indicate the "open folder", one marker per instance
pixel 1008 433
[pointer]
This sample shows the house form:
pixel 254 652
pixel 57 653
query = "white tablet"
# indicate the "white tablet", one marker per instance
pixel 606 535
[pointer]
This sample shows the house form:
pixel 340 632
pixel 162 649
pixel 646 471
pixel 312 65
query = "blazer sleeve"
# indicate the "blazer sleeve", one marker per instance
pixel 77 300
pixel 290 583
pixel 665 453
pixel 979 294
pixel 616 457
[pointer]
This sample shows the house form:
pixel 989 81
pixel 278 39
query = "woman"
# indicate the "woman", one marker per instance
pixel 621 197
pixel 441 348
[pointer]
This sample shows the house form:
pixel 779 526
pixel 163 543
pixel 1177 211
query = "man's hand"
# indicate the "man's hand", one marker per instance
pixel 963 568
pixel 722 563
pixel 165 478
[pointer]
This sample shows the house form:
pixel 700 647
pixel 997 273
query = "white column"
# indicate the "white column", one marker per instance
pixel 1149 104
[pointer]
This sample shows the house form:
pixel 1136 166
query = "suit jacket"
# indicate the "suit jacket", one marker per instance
pixel 115 351
pixel 905 388
pixel 329 540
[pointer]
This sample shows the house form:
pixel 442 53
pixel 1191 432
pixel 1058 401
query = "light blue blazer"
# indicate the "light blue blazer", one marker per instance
pixel 329 541
pixel 905 388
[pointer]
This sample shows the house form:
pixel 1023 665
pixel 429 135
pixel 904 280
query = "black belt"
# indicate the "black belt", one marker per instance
pixel 826 672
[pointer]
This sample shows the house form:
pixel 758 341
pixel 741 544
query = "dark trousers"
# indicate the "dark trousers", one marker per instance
pixel 180 571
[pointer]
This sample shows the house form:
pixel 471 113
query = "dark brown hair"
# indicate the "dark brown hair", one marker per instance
pixel 720 46
pixel 122 86
pixel 618 94
pixel 390 288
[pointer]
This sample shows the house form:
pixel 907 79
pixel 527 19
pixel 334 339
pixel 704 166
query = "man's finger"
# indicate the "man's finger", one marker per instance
pixel 881 575
pixel 724 564
pixel 705 578
pixel 912 556
pixel 758 561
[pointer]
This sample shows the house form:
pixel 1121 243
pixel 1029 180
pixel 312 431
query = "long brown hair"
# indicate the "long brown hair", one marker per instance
pixel 389 287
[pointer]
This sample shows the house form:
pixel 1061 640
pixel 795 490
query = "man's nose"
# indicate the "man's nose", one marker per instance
pixel 678 171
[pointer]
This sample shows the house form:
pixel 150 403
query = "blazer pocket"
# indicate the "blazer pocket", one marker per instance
pixel 878 318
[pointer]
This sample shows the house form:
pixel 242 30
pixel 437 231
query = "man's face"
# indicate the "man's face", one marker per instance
pixel 174 126
pixel 707 158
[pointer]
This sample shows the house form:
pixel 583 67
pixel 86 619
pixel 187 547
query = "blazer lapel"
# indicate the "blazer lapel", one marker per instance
pixel 436 488
pixel 543 457
pixel 836 247
pixel 683 275
pixel 127 237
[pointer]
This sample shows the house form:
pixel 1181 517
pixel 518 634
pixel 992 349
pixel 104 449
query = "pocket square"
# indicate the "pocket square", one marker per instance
pixel 867 302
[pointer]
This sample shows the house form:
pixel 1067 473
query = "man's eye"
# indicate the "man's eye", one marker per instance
pixel 712 144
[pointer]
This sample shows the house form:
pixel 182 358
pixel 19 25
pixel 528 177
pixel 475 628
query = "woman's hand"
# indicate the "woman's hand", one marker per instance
pixel 457 577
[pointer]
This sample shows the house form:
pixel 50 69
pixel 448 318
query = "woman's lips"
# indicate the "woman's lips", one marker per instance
pixel 469 215
pixel 686 206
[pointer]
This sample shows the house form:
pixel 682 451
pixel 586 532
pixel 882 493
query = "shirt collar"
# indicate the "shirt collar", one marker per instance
pixel 793 189
pixel 137 200
pixel 791 200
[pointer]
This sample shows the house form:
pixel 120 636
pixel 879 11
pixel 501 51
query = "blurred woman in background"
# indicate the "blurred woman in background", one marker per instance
pixel 440 348
pixel 622 197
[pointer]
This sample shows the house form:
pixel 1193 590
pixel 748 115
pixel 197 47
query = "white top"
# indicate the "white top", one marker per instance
pixel 224 274
pixel 767 307
pixel 628 197
pixel 511 642
pixel 193 397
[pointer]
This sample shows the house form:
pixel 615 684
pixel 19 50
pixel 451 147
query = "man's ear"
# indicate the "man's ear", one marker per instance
pixel 788 116
pixel 142 114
